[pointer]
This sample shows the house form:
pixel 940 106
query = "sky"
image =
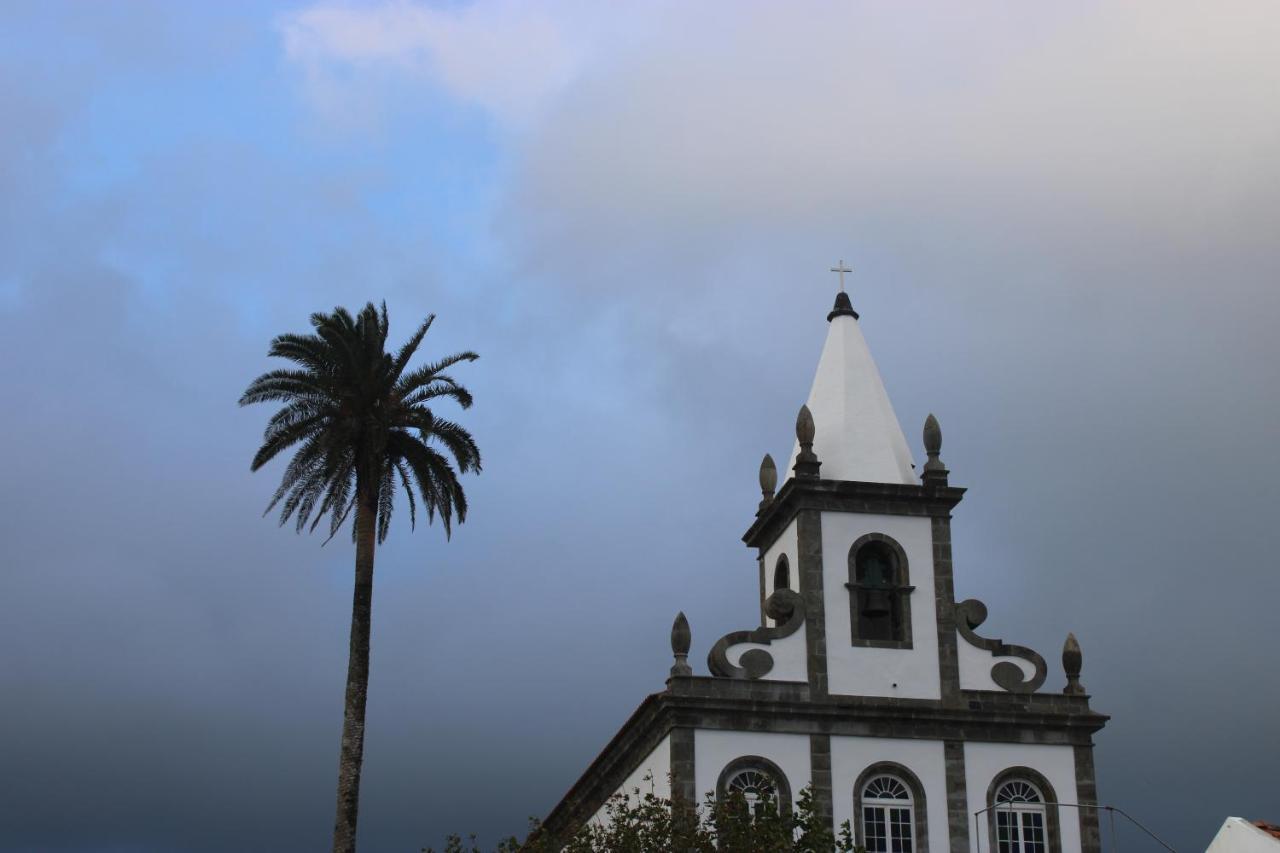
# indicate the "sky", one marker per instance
pixel 1061 220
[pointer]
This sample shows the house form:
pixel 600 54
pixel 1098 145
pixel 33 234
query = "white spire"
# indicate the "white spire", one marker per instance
pixel 858 436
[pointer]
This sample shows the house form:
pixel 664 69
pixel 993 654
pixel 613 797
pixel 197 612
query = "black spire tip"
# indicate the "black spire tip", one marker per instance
pixel 844 308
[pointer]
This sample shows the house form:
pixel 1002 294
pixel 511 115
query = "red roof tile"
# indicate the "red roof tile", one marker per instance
pixel 1270 828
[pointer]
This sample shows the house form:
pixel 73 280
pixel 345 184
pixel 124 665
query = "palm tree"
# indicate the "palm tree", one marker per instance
pixel 363 429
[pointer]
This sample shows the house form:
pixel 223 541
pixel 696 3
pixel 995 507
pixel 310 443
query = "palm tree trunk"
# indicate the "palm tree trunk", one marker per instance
pixel 352 756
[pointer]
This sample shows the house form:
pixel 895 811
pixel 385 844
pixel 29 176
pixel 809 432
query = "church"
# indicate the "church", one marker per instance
pixel 865 679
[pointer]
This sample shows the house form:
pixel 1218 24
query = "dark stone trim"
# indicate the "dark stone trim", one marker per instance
pixel 1053 830
pixel 919 806
pixel 785 607
pixel 684 786
pixel 971 613
pixel 973 701
pixel 944 597
pixel 739 689
pixel 798 495
pixel 764 765
pixel 1087 793
pixel 809 568
pixel 843 308
pixel 902 590
pixel 772 706
pixel 697 702
pixel 764 592
pixel 957 796
pixel 820 777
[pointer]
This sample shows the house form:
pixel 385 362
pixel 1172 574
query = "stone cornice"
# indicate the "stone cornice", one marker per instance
pixel 848 496
pixel 697 702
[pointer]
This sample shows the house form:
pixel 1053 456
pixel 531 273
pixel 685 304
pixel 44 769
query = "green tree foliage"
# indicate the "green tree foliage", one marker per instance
pixel 361 428
pixel 638 822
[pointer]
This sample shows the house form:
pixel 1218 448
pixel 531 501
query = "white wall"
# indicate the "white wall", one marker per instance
pixel 713 750
pixel 790 662
pixel 976 664
pixel 875 672
pixel 925 758
pixel 1239 836
pixel 656 764
pixel 984 761
pixel 786 543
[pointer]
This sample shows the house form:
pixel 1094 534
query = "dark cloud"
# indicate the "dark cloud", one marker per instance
pixel 1089 313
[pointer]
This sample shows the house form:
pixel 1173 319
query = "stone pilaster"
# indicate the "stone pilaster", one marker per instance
pixel 1087 793
pixel 809 536
pixel 945 607
pixel 820 777
pixel 764 587
pixel 684 784
pixel 957 797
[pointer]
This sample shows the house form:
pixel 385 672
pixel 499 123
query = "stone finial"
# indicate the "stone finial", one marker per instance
pixel 1071 661
pixel 934 470
pixel 681 638
pixel 768 480
pixel 807 463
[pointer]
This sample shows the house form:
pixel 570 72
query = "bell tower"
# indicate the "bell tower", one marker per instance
pixel 866 681
pixel 867 546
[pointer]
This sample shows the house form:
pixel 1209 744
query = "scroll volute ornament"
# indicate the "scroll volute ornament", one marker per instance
pixel 1072 659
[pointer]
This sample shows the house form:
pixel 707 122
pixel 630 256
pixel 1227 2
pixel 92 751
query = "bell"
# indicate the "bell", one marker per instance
pixel 877 604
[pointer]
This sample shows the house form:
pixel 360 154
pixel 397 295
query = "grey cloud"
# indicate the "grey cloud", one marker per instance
pixel 1097 344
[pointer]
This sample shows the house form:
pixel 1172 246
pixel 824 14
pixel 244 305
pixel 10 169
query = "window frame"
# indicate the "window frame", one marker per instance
pixel 900 592
pixel 1048 806
pixel 918 802
pixel 781 566
pixel 760 765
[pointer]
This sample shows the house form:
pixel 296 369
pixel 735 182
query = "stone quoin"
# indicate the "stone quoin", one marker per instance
pixel 865 679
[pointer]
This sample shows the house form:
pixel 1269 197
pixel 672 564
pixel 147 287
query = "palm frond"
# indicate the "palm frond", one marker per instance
pixel 428 373
pixel 360 427
pixel 282 385
pixel 437 389
pixel 456 439
pixel 410 347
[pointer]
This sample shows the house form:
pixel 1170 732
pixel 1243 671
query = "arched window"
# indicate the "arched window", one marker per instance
pixel 782 574
pixel 1023 813
pixel 758 780
pixel 887 816
pixel 879 596
pixel 1020 818
pixel 888 801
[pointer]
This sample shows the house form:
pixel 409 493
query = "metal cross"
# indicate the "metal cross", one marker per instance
pixel 842 269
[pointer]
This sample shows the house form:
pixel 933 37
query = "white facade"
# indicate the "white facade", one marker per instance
pixel 1237 835
pixel 784 547
pixel 850 756
pixel 716 749
pixel 984 761
pixel 859 671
